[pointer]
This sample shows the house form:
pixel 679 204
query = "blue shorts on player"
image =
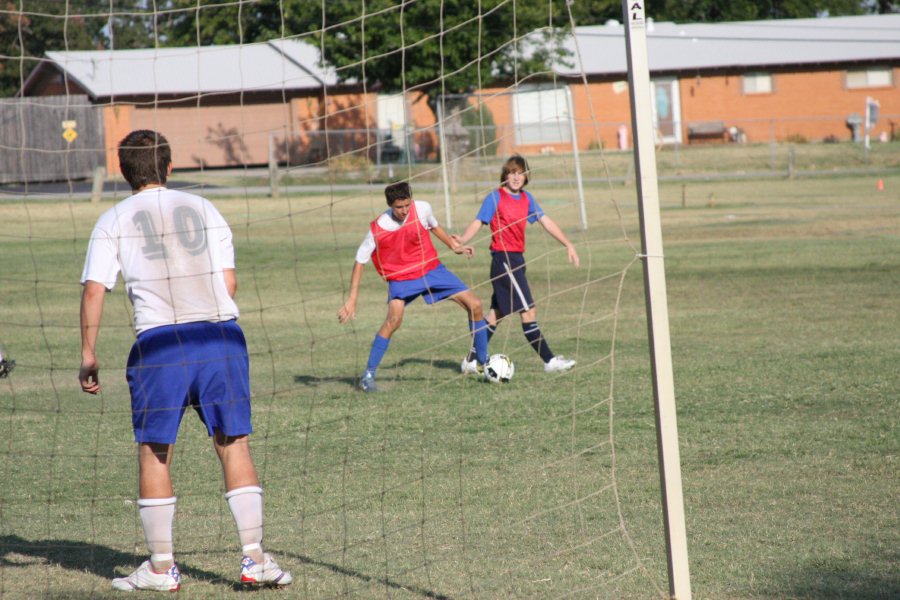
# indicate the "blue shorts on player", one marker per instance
pixel 203 365
pixel 434 286
pixel 511 291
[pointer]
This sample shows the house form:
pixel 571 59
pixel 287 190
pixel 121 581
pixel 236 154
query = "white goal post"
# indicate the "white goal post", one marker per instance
pixel 655 295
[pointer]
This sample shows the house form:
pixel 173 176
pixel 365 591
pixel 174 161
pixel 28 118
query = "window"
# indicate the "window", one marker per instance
pixel 391 111
pixel 757 83
pixel 541 115
pixel 869 78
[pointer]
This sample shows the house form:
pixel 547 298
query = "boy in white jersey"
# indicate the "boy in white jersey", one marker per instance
pixel 399 245
pixel 176 257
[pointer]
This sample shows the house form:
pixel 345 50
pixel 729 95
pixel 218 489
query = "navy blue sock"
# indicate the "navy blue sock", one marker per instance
pixel 533 334
pixel 379 347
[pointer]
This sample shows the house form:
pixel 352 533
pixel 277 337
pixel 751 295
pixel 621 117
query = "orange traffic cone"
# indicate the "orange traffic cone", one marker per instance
pixel 881 185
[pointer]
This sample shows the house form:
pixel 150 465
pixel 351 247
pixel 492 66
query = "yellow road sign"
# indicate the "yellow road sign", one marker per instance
pixel 69 135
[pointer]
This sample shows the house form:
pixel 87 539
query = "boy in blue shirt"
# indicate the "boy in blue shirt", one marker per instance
pixel 507 211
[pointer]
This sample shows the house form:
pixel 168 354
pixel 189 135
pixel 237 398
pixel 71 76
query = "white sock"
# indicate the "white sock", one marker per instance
pixel 246 507
pixel 157 515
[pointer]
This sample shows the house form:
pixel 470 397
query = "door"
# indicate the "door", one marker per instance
pixel 666 110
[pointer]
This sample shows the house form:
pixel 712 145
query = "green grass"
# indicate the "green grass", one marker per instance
pixel 782 300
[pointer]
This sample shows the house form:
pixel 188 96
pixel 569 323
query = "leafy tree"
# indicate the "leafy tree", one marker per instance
pixel 211 22
pixel 402 43
pixel 712 11
pixel 596 12
pixel 28 28
pixel 132 23
pixel 441 48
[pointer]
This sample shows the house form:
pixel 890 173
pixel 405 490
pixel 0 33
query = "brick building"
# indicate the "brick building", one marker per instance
pixel 753 81
pixel 757 81
pixel 226 105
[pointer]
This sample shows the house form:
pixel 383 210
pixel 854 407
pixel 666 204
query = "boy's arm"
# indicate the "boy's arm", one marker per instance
pixel 348 310
pixel 230 281
pixel 452 243
pixel 469 233
pixel 554 230
pixel 92 297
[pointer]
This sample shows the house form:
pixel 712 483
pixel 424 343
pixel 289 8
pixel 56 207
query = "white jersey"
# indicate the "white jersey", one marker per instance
pixel 171 248
pixel 387 222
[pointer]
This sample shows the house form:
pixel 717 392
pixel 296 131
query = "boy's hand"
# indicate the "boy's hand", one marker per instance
pixel 346 312
pixel 88 376
pixel 460 249
pixel 573 255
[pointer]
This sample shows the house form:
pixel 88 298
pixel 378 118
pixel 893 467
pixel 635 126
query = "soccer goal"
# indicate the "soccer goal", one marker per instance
pixel 560 480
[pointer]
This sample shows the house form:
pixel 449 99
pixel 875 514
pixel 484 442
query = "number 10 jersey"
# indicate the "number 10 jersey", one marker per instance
pixel 171 248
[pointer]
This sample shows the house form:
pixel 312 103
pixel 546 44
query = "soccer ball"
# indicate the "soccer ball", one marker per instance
pixel 499 368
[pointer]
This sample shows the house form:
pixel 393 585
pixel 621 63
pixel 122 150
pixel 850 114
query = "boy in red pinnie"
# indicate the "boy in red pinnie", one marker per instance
pixel 507 211
pixel 399 245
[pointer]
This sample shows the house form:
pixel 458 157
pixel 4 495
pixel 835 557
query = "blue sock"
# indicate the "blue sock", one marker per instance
pixel 379 347
pixel 489 330
pixel 480 331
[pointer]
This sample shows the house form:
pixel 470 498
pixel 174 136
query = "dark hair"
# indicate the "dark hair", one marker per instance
pixel 397 191
pixel 144 158
pixel 515 162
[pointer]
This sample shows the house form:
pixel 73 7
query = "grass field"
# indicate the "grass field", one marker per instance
pixel 783 305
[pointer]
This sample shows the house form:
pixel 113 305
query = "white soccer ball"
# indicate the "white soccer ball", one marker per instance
pixel 499 368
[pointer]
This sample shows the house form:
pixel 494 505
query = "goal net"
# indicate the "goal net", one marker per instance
pixel 291 117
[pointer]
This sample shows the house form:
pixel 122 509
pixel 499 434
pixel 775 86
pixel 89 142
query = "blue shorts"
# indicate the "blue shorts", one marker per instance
pixel 511 291
pixel 204 365
pixel 434 286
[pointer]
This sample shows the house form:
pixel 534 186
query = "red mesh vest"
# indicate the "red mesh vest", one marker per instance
pixel 508 224
pixel 406 253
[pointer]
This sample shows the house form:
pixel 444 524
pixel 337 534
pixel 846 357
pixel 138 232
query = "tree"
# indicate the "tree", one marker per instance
pixel 28 28
pixel 132 23
pixel 715 11
pixel 596 12
pixel 210 22
pixel 712 11
pixel 404 45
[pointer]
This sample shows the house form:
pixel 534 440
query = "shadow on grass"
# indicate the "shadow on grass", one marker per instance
pixel 362 577
pixel 81 556
pixel 313 381
pixel 838 582
pixel 437 364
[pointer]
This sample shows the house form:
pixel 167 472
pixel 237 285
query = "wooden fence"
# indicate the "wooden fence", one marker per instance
pixel 50 138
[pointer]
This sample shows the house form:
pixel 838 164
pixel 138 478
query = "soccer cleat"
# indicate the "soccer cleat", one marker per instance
pixel 145 578
pixel 367 383
pixel 468 367
pixel 266 574
pixel 558 364
pixel 479 371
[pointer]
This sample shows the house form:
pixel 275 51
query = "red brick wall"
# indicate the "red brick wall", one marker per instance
pixel 813 105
